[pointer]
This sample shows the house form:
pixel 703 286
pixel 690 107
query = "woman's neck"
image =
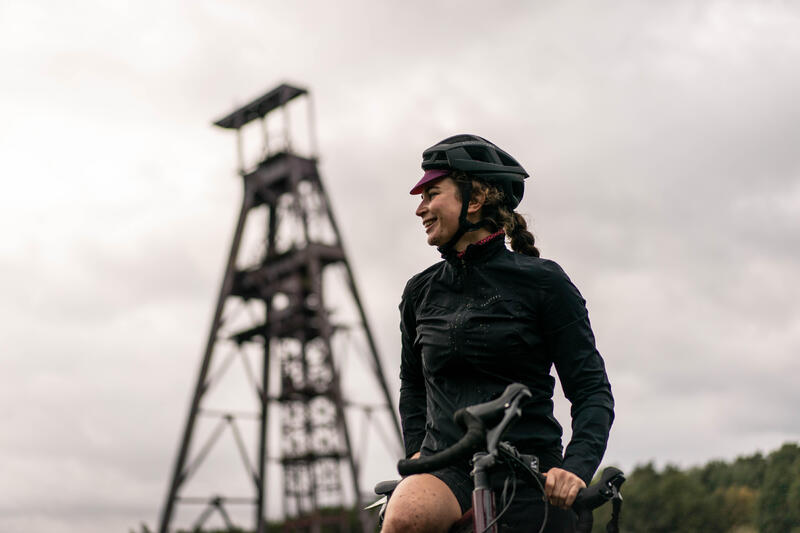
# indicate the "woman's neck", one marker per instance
pixel 471 237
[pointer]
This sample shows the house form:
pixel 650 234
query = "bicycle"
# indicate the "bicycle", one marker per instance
pixel 485 425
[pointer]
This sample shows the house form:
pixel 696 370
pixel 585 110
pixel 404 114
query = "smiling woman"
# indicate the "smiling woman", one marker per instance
pixel 440 208
pixel 481 319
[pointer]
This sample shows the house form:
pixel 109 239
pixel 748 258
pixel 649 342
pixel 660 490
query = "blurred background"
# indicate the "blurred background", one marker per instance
pixel 662 140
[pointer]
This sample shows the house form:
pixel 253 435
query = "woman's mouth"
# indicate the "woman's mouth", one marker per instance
pixel 428 223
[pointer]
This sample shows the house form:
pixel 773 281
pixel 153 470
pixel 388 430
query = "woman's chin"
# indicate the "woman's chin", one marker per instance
pixel 434 239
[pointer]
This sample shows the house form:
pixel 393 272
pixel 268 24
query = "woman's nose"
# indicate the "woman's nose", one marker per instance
pixel 421 208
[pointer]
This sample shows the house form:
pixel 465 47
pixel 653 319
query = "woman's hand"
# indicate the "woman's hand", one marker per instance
pixel 561 487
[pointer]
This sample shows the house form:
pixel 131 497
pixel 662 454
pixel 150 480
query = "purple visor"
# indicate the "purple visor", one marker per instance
pixel 429 176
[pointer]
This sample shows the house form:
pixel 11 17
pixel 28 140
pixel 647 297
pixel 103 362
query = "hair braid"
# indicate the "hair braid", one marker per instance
pixel 498 216
pixel 516 228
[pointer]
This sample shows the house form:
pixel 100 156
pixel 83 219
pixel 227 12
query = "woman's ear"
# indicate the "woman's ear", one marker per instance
pixel 477 200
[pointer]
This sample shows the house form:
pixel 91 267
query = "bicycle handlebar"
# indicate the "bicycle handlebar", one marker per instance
pixel 596 495
pixel 473 440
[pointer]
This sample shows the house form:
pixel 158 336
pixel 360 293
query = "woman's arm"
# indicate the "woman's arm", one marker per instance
pixel 582 373
pixel 413 402
pixel 583 377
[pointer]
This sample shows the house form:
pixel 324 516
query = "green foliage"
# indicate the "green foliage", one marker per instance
pixel 779 499
pixel 732 507
pixel 665 502
pixel 753 494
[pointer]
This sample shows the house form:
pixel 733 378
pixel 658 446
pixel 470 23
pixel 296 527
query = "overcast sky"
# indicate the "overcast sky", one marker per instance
pixel 662 139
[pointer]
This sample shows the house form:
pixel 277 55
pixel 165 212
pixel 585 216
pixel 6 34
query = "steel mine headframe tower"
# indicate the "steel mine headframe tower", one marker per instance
pixel 298 345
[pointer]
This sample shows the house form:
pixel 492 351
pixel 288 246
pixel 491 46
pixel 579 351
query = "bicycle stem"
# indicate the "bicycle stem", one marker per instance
pixel 483 504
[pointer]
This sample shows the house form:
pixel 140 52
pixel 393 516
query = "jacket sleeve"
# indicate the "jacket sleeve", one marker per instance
pixel 413 401
pixel 582 373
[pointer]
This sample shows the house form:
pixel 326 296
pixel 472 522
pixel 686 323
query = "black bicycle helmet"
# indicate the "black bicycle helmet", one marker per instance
pixel 480 158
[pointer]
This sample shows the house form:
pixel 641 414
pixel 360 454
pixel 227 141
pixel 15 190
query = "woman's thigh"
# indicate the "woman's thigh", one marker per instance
pixel 421 503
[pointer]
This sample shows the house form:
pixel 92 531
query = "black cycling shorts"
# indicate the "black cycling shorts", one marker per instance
pixel 527 508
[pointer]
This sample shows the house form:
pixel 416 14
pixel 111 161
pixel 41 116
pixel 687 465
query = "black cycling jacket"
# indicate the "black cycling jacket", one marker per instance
pixel 473 324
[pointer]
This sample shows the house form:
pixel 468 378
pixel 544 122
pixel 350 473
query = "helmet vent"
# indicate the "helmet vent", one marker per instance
pixel 507 160
pixel 478 153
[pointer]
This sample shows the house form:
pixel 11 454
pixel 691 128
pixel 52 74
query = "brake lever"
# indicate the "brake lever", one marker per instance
pixel 512 411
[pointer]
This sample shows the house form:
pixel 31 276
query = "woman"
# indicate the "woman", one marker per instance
pixel 485 317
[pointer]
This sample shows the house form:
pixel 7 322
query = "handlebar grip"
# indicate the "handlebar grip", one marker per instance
pixel 582 506
pixel 472 440
pixel 592 497
pixel 596 495
pixel 585 521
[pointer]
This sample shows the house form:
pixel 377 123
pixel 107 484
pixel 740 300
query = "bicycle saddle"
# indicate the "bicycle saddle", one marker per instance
pixel 386 487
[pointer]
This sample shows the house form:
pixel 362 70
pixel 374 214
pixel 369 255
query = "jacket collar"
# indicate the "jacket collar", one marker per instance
pixel 478 251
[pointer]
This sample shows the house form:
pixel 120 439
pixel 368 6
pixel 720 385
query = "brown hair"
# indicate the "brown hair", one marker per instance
pixel 498 215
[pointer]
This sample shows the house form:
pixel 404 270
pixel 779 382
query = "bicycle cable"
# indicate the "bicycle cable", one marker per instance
pixel 507 504
pixel 521 464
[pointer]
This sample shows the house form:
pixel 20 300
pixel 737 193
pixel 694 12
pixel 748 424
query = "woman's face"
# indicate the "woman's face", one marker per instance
pixel 439 210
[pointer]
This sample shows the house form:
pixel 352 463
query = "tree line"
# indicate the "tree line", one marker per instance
pixel 752 494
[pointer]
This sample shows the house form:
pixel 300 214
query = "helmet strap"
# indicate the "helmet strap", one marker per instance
pixel 464 225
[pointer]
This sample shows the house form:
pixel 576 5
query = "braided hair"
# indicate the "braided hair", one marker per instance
pixel 496 214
